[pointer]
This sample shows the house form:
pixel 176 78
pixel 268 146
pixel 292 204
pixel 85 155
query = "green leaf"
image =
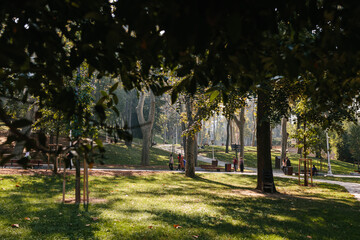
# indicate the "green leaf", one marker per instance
pixel 103 93
pixel 99 143
pixel 21 123
pixel 101 101
pixel 214 95
pixel 114 87
pixel 116 111
pixel 115 98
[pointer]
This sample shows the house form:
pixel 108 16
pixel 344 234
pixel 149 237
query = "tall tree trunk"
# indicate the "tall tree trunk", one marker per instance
pixel 196 151
pixel 270 137
pixel 146 126
pixel 241 125
pixel 227 135
pixel 55 170
pixel 190 142
pixel 305 165
pixel 298 125
pixel 77 181
pixel 183 128
pixel 254 128
pixel 284 136
pixel 264 168
pixel 231 133
pixel 242 135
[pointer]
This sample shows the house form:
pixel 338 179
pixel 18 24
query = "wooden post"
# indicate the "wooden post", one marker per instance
pixel 87 183
pixel 84 188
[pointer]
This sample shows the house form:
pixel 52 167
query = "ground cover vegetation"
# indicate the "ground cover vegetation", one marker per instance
pixel 163 206
pixel 120 154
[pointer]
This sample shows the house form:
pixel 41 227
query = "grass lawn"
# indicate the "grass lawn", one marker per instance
pixel 171 206
pixel 250 159
pixel 341 179
pixel 120 154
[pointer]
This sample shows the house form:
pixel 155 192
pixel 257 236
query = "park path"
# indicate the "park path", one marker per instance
pixel 352 188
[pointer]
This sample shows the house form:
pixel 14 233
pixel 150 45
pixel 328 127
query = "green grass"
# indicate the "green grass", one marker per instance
pixel 120 154
pixel 341 179
pixel 250 159
pixel 211 206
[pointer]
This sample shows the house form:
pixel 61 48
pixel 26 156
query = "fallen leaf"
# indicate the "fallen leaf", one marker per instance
pixel 94 218
pixel 87 225
pixel 150 227
pixel 36 218
pixel 15 225
pixel 27 218
pixel 17 185
pixel 309 236
pixel 195 236
pixel 177 226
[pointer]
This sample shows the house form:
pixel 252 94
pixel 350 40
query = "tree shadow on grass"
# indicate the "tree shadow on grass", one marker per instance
pixel 235 216
pixel 35 206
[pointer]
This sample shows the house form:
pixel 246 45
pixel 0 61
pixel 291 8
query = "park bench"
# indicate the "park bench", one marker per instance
pixel 302 172
pixel 211 167
pixel 31 164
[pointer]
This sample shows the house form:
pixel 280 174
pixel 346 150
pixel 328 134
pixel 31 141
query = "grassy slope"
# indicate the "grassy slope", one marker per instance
pixel 122 155
pixel 338 167
pixel 211 206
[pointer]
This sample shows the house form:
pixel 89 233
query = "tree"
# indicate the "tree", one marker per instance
pixel 233 44
pixel 146 126
pixel 354 140
pixel 264 166
pixel 284 138
pixel 241 125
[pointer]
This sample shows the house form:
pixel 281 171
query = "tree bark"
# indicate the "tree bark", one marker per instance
pixel 254 127
pixel 227 136
pixel 284 137
pixel 298 125
pixel 77 181
pixel 305 165
pixel 264 168
pixel 242 135
pixel 146 126
pixel 270 137
pixel 183 128
pixel 196 151
pixel 241 125
pixel 231 133
pixel 190 142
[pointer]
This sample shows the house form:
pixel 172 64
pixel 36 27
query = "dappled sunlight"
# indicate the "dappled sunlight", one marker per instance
pixel 213 206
